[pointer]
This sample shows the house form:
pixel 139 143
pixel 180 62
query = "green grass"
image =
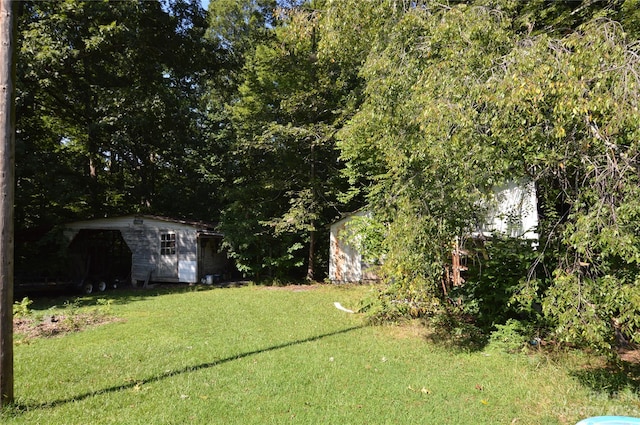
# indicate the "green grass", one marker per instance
pixel 258 355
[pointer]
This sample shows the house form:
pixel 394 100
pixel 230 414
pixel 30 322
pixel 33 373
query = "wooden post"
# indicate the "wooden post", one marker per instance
pixel 7 139
pixel 455 263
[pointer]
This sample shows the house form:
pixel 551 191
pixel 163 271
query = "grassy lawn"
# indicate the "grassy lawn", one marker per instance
pixel 259 355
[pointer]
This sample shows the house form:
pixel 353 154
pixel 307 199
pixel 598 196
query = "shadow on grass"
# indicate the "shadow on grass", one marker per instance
pixel 610 379
pixel 129 385
pixel 455 332
pixel 124 295
pixel 44 300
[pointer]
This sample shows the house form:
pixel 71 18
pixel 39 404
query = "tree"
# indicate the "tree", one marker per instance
pixel 110 98
pixel 575 120
pixel 284 154
pixel 418 146
pixel 460 98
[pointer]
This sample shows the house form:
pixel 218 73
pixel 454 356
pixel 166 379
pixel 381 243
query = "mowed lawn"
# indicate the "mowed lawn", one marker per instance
pixel 261 355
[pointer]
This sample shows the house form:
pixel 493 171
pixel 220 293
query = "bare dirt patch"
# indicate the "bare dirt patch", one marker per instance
pixel 27 328
pixel 631 356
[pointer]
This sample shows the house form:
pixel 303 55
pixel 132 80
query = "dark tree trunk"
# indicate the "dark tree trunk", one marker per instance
pixel 312 248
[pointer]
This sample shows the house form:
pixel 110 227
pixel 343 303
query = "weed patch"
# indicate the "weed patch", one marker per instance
pixel 28 324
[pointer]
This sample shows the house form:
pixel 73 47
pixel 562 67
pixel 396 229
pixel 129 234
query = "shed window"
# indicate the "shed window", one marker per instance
pixel 168 244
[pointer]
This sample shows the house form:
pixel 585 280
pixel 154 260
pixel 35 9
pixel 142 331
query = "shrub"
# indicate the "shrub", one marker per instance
pixel 512 337
pixel 21 309
pixel 499 285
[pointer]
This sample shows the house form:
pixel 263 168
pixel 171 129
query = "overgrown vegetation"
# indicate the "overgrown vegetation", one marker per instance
pixel 480 100
pixel 58 320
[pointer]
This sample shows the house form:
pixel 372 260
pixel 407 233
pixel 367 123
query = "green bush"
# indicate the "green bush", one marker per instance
pixel 500 285
pixel 512 337
pixel 392 303
pixel 21 309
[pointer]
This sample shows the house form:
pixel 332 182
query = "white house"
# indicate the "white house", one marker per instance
pixel 514 212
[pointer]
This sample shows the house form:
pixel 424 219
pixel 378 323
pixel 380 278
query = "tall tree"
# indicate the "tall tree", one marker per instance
pixel 417 146
pixel 284 155
pixel 111 90
pixel 576 131
pixel 457 99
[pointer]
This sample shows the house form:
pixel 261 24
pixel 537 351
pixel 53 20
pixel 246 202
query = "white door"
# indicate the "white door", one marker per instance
pixel 168 264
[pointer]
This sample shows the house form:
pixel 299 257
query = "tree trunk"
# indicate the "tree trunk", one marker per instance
pixel 312 233
pixel 7 130
pixel 312 256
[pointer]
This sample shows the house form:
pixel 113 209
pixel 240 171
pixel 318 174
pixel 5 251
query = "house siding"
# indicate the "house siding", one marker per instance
pixel 345 262
pixel 513 212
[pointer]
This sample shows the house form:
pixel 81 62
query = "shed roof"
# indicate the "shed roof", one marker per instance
pixel 348 215
pixel 115 222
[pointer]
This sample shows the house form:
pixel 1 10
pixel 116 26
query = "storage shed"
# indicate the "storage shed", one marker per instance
pixel 345 262
pixel 144 248
pixel 513 212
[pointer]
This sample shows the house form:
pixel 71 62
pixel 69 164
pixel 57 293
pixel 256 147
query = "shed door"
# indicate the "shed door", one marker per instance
pixel 168 264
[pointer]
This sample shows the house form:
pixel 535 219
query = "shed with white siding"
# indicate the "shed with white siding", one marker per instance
pixel 345 261
pixel 159 249
pixel 512 212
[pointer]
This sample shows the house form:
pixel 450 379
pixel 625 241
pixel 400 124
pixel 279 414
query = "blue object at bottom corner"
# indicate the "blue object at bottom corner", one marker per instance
pixel 610 420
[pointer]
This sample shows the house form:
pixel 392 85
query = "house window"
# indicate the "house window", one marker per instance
pixel 168 244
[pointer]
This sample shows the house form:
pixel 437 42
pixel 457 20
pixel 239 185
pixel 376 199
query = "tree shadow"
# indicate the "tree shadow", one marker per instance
pixel 24 407
pixel 455 333
pixel 44 300
pixel 610 378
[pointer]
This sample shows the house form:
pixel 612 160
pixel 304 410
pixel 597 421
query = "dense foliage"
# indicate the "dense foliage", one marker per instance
pixel 459 99
pixel 284 182
pixel 275 117
pixel 108 109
